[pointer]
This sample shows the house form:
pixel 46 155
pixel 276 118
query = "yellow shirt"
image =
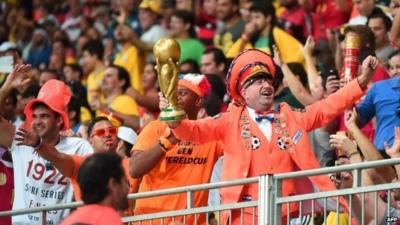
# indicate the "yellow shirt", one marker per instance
pixel 133 62
pixel 123 104
pixel 86 117
pixel 289 47
pixel 331 219
pixel 94 82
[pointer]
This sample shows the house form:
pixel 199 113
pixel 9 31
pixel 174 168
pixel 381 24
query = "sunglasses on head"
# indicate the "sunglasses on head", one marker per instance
pixel 112 131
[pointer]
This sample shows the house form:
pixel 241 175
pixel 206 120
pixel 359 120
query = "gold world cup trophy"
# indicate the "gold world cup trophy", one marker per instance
pixel 167 53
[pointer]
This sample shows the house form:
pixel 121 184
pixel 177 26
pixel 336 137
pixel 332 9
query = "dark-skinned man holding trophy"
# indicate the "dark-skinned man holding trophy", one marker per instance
pixel 161 160
pixel 263 139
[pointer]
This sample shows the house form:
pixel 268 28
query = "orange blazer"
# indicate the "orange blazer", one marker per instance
pixel 237 158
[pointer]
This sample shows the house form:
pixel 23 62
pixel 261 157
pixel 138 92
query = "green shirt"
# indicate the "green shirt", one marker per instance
pixel 191 49
pixel 262 42
pixel 286 96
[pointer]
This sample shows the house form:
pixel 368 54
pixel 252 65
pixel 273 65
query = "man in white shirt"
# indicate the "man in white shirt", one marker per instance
pixel 37 182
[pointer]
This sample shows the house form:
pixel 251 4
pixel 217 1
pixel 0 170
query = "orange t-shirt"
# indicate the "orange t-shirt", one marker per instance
pixel 93 214
pixel 185 164
pixel 78 160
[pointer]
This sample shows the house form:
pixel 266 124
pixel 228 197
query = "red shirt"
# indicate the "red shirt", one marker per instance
pixel 294 22
pixel 6 189
pixel 380 74
pixel 327 15
pixel 207 26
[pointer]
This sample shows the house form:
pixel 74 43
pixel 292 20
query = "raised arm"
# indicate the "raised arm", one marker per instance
pixel 141 45
pixel 151 147
pixel 198 131
pixel 63 162
pixel 368 150
pixel 296 87
pixel 148 100
pixel 17 77
pixel 129 120
pixel 321 112
pixel 312 73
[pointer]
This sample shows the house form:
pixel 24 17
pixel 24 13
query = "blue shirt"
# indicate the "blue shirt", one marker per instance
pixel 381 101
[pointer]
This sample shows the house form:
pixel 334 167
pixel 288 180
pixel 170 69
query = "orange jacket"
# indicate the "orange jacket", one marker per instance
pixel 237 159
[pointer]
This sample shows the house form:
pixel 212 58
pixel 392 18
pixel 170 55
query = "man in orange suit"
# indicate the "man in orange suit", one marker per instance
pixel 264 140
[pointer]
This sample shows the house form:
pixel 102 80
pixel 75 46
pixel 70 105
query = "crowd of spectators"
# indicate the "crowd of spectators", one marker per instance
pixel 84 77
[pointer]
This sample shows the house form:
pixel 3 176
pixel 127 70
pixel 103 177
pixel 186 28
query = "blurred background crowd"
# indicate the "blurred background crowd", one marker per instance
pixel 102 50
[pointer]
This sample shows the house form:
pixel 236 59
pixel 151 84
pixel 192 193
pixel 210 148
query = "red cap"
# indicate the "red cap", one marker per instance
pixel 56 95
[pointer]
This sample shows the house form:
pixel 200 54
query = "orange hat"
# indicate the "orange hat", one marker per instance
pixel 197 83
pixel 56 95
pixel 247 64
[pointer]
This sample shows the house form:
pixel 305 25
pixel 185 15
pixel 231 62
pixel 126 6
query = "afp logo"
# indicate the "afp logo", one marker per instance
pixel 392 219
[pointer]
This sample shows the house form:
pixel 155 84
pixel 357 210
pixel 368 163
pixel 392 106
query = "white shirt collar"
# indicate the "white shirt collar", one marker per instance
pixel 252 113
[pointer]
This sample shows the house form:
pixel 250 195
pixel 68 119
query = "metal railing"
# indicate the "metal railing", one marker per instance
pixel 349 192
pixel 269 205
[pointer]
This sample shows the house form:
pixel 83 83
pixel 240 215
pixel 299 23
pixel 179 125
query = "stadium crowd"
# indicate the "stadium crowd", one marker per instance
pixel 79 93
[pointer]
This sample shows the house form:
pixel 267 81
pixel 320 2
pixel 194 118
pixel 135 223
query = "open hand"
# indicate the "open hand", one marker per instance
pixel 121 18
pixel 24 137
pixel 394 150
pixel 18 76
pixel 350 119
pixel 343 143
pixel 308 47
pixel 277 57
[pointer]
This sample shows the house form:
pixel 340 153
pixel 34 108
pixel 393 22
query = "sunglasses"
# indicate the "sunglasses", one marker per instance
pixel 112 131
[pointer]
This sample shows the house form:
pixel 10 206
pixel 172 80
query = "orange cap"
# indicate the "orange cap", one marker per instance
pixel 244 66
pixel 56 95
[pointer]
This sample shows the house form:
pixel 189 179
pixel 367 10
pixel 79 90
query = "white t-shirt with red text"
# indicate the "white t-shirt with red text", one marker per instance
pixel 38 183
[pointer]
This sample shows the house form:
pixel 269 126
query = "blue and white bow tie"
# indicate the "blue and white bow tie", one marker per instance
pixel 269 117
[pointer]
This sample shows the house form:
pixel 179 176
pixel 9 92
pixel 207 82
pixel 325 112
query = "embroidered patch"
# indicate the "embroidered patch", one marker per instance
pixel 296 137
pixel 255 143
pixel 245 133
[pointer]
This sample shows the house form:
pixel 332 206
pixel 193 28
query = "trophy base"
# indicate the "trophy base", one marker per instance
pixel 172 114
